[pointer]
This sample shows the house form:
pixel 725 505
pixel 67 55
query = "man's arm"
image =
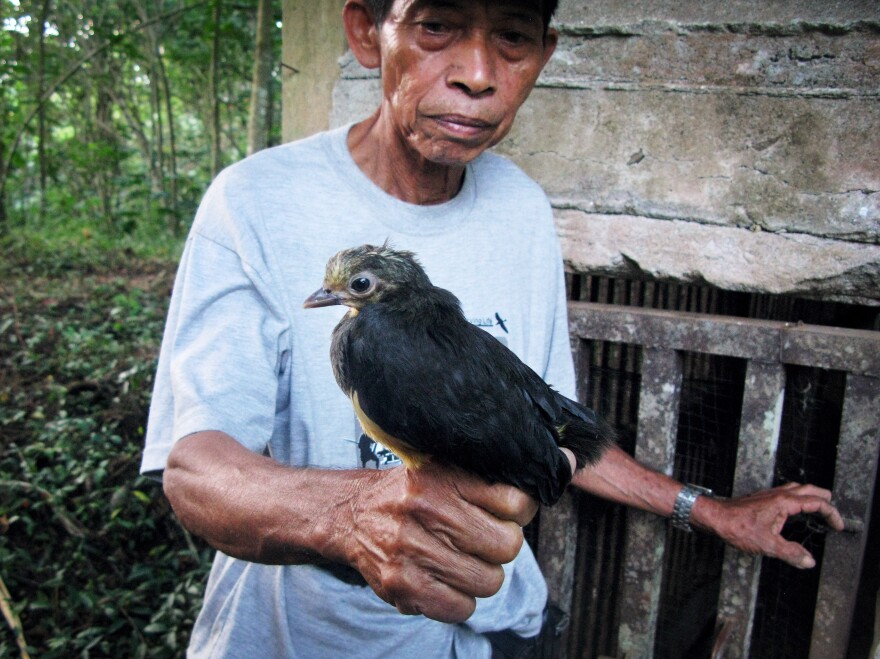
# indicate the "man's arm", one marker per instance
pixel 752 523
pixel 427 541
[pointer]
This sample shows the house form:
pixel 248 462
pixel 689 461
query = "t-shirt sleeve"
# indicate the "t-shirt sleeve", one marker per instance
pixel 223 344
pixel 558 368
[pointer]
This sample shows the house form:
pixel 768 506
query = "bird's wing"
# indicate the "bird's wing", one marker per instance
pixel 452 390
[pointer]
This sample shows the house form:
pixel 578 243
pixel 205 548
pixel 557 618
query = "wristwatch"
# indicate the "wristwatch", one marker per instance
pixel 684 503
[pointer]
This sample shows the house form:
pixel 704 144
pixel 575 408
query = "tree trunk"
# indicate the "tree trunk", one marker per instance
pixel 216 163
pixel 4 220
pixel 156 110
pixel 258 121
pixel 103 135
pixel 174 220
pixel 41 117
pixel 128 106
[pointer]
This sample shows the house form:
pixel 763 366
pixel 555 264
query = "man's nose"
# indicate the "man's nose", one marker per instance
pixel 473 66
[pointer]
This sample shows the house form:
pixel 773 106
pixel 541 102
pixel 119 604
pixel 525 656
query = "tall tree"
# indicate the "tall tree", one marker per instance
pixel 41 117
pixel 261 83
pixel 5 79
pixel 216 162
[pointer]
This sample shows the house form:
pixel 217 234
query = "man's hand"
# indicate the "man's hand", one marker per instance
pixel 430 541
pixel 753 523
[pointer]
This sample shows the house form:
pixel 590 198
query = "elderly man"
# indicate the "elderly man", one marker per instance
pixel 318 552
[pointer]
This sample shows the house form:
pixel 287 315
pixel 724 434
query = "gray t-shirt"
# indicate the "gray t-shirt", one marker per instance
pixel 242 356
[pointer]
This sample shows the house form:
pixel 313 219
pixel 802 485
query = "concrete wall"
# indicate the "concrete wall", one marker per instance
pixel 729 142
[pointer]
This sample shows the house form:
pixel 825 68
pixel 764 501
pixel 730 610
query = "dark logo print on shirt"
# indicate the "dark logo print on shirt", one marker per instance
pixel 373 453
pixel 488 321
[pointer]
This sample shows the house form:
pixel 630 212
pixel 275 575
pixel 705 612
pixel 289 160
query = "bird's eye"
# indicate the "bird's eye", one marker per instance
pixel 360 284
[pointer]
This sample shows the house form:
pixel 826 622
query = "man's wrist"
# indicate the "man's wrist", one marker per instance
pixel 333 534
pixel 685 501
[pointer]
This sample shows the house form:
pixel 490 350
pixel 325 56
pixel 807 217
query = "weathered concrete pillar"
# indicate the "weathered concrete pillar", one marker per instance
pixel 736 143
pixel 313 41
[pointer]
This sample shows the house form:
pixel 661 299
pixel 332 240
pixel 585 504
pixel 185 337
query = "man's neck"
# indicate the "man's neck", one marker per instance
pixel 398 169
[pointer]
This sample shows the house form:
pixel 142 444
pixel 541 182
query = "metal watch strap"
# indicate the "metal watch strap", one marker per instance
pixel 684 503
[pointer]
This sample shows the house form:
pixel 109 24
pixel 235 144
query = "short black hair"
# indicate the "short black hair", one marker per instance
pixel 380 9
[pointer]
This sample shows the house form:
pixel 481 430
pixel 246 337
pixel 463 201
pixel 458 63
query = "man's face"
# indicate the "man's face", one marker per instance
pixel 455 72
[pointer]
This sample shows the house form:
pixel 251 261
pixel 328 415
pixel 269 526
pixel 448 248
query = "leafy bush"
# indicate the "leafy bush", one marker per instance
pixel 95 563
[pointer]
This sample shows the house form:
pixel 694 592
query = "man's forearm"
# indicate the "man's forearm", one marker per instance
pixel 751 523
pixel 250 506
pixel 427 541
pixel 619 478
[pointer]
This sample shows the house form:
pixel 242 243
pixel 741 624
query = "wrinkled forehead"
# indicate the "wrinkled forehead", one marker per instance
pixel 530 9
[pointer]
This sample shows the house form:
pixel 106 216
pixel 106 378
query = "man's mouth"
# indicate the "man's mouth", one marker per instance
pixel 462 125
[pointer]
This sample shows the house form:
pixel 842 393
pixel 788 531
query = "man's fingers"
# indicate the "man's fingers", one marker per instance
pixel 438 538
pixel 572 461
pixel 813 500
pixel 503 501
pixel 475 526
pixel 806 499
pixel 806 489
pixel 793 554
pixel 754 523
pixel 496 541
pixel 821 507
pixel 444 589
pixel 439 601
pixel 475 570
pixel 474 577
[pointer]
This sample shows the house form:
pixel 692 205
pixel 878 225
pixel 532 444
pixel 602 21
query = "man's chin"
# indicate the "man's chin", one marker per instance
pixel 455 153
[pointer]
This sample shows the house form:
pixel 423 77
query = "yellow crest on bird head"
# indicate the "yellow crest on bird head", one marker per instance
pixel 391 265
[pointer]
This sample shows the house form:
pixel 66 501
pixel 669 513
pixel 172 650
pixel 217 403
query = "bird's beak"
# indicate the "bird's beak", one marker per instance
pixel 321 298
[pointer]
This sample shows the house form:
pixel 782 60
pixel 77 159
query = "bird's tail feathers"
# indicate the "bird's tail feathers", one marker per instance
pixel 587 435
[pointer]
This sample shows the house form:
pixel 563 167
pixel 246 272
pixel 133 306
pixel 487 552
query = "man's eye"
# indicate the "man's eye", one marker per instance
pixel 514 38
pixel 434 28
pixel 360 285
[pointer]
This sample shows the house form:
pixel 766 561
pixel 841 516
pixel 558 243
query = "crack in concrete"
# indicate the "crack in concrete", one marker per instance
pixel 582 83
pixel 789 29
pixel 640 212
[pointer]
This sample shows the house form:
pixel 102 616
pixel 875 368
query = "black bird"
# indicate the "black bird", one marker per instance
pixel 428 384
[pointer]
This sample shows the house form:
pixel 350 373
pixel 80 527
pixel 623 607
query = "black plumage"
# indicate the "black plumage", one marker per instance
pixel 430 385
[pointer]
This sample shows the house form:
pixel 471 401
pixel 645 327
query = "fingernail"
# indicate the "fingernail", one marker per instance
pixel 808 562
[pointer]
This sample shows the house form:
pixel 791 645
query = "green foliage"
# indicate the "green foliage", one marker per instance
pixel 106 135
pixel 123 94
pixel 95 562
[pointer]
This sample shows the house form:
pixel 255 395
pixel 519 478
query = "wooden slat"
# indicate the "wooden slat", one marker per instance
pixel 558 525
pixel 646 534
pixel 676 330
pixel 755 460
pixel 854 478
pixel 557 546
pixel 835 348
pixel 768 345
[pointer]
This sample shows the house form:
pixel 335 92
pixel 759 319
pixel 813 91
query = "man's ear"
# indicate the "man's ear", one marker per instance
pixel 550 41
pixel 362 34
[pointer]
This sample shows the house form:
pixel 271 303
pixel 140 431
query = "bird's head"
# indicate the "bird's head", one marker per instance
pixel 364 275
